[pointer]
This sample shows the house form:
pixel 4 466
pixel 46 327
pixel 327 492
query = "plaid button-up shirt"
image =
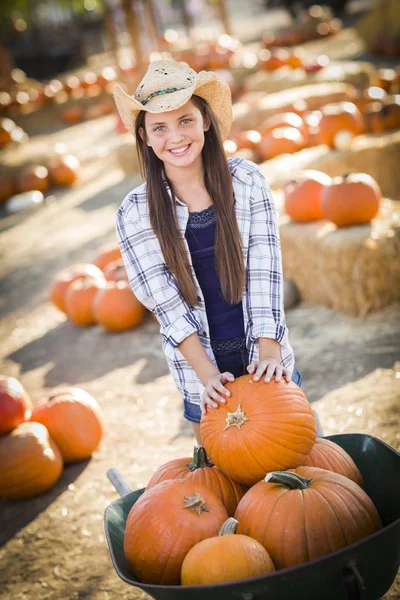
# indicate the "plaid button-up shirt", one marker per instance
pixel 154 285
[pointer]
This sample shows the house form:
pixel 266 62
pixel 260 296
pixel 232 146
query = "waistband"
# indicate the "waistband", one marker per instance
pixel 228 346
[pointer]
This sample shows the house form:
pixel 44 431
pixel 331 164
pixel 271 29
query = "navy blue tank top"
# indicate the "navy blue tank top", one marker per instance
pixel 225 320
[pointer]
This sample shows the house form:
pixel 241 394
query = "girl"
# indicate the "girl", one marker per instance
pixel 200 240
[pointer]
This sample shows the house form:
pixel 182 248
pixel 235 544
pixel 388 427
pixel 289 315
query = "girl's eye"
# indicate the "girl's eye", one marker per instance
pixel 185 121
pixel 159 128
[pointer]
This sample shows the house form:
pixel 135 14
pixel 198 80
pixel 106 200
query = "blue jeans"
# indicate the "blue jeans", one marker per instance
pixel 236 363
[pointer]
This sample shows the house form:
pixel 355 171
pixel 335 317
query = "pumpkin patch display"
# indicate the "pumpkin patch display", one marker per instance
pixel 262 427
pixel 15 404
pixel 303 195
pixel 353 199
pixel 305 513
pixel 30 461
pixel 228 557
pixel 332 457
pixel 165 523
pixel 116 308
pixel 199 470
pixel 79 299
pixel 59 287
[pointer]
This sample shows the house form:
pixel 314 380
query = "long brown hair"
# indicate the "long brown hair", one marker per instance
pixel 163 218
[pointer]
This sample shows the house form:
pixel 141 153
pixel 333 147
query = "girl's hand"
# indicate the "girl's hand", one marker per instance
pixel 214 389
pixel 269 367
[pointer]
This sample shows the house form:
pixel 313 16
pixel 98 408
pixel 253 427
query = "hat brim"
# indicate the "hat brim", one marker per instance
pixel 209 86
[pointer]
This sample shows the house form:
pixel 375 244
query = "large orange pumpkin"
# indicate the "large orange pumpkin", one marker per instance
pixel 305 513
pixel 282 140
pixel 199 470
pixel 30 461
pixel 351 200
pixel 80 297
pixel 165 523
pixel 303 195
pixel 228 557
pixel 66 277
pixel 74 420
pixel 106 255
pixel 332 457
pixel 339 116
pixel 116 308
pixel 15 404
pixel 262 427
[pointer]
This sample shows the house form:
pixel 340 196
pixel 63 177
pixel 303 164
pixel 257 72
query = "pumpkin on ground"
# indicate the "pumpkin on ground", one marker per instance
pixel 66 277
pixel 339 116
pixel 261 428
pixel 116 308
pixel 30 461
pixel 199 470
pixel 165 523
pixel 353 199
pixel 303 195
pixel 74 420
pixel 15 404
pixel 228 557
pixel 332 457
pixel 79 299
pixel 115 271
pixel 305 513
pixel 107 255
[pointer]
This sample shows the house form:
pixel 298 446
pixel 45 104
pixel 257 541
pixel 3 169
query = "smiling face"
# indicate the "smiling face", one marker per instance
pixel 177 136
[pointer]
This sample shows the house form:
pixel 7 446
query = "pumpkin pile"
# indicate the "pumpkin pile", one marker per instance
pixel 35 443
pixel 98 293
pixel 353 199
pixel 273 496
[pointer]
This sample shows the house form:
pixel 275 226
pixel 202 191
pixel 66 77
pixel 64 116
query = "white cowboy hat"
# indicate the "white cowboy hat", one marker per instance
pixel 168 85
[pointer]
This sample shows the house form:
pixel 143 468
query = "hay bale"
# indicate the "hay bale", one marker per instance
pixel 353 269
pixel 377 155
pixel 126 154
pixel 254 107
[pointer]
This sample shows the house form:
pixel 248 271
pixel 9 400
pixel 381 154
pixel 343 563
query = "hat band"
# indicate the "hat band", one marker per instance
pixel 159 93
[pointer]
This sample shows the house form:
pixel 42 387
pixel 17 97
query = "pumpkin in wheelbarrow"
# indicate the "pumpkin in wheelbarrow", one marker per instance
pixel 165 523
pixel 261 428
pixel 330 456
pixel 305 513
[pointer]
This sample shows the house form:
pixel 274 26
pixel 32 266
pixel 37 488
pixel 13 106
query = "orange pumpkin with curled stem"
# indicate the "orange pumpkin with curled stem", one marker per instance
pixel 319 512
pixel 200 470
pixel 332 457
pixel 353 199
pixel 228 557
pixel 74 421
pixel 260 428
pixel 303 195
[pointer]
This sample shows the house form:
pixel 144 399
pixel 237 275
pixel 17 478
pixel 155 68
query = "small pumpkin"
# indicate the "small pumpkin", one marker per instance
pixel 15 404
pixel 261 427
pixel 353 199
pixel 74 420
pixel 33 178
pixel 303 195
pixel 339 116
pixel 116 308
pixel 80 297
pixel 165 523
pixel 282 140
pixel 228 557
pixel 106 255
pixel 66 277
pixel 332 457
pixel 305 513
pixel 285 119
pixel 63 169
pixel 30 461
pixel 115 271
pixel 200 470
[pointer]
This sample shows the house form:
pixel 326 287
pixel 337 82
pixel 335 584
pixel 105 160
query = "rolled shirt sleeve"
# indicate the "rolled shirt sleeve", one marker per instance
pixel 264 266
pixel 152 282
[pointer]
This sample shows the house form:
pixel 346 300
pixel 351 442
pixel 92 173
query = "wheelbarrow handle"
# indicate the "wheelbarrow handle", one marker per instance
pixel 122 487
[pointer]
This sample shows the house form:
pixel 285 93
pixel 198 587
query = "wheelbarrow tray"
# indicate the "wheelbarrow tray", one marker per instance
pixel 364 570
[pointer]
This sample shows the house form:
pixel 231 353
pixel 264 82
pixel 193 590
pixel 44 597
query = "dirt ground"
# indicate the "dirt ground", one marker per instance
pixel 53 546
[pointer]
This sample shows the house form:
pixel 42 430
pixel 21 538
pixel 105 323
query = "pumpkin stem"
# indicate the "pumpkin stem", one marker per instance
pixel 229 527
pixel 291 480
pixel 196 503
pixel 199 460
pixel 237 418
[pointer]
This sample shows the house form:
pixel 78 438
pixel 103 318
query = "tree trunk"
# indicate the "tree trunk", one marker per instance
pixel 133 29
pixel 152 20
pixel 111 32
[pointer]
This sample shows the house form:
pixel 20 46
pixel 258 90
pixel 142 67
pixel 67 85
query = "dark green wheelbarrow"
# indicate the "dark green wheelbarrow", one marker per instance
pixel 362 571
